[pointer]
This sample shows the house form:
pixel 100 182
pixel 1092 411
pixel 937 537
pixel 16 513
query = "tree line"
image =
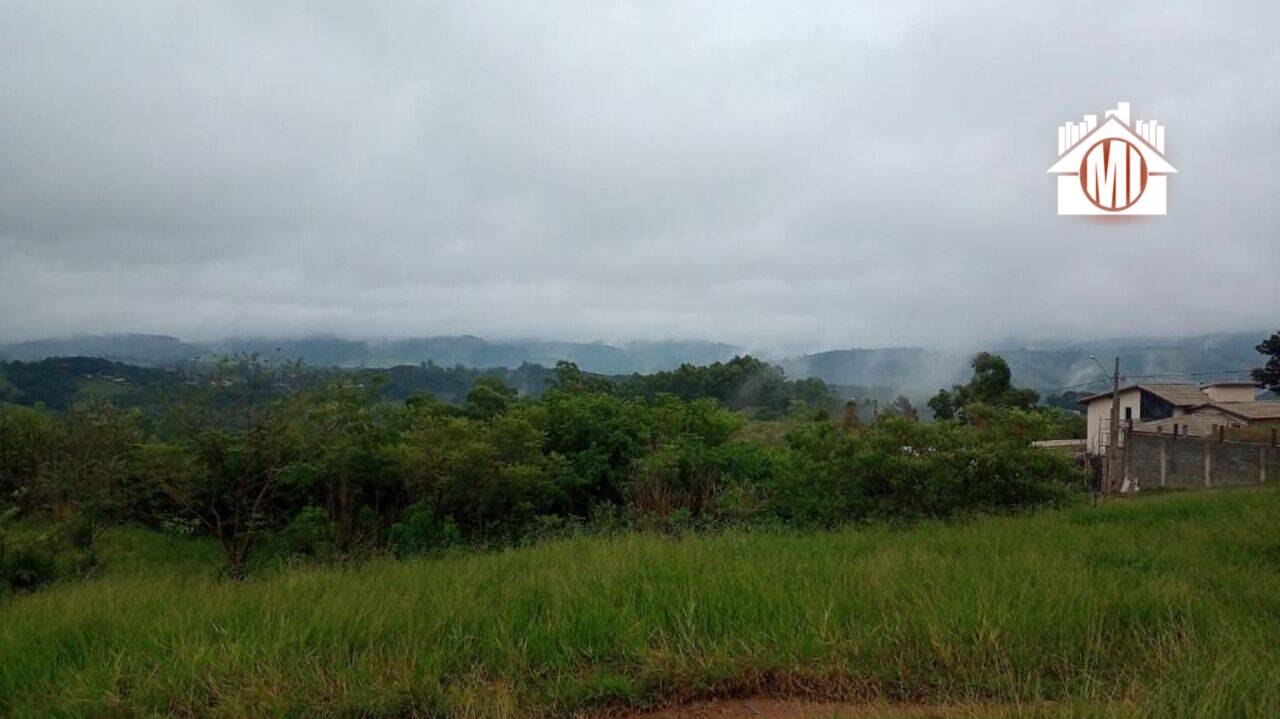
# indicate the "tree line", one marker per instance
pixel 254 452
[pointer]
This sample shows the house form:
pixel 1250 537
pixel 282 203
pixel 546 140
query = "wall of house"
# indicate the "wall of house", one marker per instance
pixel 1231 393
pixel 1159 460
pixel 1202 423
pixel 1099 417
pixel 1219 416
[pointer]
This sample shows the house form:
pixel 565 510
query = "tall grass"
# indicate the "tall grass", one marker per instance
pixel 1164 606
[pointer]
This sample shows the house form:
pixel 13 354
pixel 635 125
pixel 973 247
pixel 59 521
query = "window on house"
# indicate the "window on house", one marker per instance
pixel 1128 414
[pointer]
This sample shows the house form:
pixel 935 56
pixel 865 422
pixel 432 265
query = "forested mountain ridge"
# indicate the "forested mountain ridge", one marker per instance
pixel 743 383
pixel 915 371
pixel 447 351
pixel 1046 369
pixel 60 382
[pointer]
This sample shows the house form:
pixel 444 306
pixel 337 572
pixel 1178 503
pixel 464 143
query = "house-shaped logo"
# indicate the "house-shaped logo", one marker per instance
pixel 1112 168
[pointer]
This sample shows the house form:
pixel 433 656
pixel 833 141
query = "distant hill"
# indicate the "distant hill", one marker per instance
pixel 447 351
pixel 915 371
pixel 904 367
pixel 601 358
pixel 138 349
pixel 744 383
pixel 60 382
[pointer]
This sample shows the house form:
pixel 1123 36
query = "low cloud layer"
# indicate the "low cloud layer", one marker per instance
pixel 819 176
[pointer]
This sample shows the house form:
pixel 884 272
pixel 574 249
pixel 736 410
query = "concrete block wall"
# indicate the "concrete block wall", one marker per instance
pixel 1160 460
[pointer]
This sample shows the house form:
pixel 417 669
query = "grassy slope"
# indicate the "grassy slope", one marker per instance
pixel 1168 606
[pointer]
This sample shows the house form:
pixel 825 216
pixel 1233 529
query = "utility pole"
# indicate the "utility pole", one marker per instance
pixel 1113 450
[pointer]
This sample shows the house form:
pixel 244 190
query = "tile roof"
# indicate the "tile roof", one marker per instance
pixel 1255 410
pixel 1179 395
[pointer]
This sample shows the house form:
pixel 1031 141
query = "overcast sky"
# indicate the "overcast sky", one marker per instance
pixel 815 175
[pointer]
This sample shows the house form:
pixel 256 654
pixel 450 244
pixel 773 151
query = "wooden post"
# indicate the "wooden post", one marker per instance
pixel 1262 464
pixel 1113 438
pixel 1128 453
pixel 1273 436
pixel 1208 462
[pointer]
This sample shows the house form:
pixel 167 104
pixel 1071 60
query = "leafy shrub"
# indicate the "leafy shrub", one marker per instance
pixel 331 468
pixel 29 559
pixel 309 533
pixel 30 439
pixel 27 566
pixel 80 532
pixel 422 530
pixel 902 469
pixel 1026 424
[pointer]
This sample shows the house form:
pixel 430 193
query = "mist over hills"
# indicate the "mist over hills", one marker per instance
pixel 447 351
pixel 1047 369
pixel 142 349
pixel 1045 366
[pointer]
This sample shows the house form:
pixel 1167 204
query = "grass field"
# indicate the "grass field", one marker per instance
pixel 1162 606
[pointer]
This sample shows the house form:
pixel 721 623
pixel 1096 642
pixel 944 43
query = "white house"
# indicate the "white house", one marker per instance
pixel 1138 402
pixel 1195 409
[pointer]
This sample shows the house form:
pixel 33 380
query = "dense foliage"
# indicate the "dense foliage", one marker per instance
pixel 1068 399
pixel 1269 374
pixel 991 384
pixel 743 383
pixel 324 464
pixel 60 382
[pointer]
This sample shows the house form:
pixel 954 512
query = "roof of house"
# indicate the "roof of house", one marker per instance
pixel 1234 384
pixel 1255 410
pixel 1179 395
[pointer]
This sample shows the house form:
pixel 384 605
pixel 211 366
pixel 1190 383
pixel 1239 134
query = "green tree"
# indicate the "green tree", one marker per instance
pixel 1269 374
pixel 902 469
pixel 991 384
pixel 743 383
pixel 239 440
pixel 571 379
pixel 489 480
pixel 902 407
pixel 489 396
pixel 30 440
pixel 354 472
pixel 91 471
pixel 943 404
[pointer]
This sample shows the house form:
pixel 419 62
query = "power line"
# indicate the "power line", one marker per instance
pixel 1082 384
pixel 1190 374
pixel 1153 376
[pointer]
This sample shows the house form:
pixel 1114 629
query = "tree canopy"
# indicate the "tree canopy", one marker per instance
pixel 1269 374
pixel 991 384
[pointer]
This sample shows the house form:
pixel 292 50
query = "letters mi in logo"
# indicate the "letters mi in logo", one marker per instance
pixel 1113 168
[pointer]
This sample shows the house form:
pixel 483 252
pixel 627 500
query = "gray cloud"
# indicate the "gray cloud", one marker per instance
pixel 827 175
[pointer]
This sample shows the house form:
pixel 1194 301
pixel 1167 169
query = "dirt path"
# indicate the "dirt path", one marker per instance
pixel 762 708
